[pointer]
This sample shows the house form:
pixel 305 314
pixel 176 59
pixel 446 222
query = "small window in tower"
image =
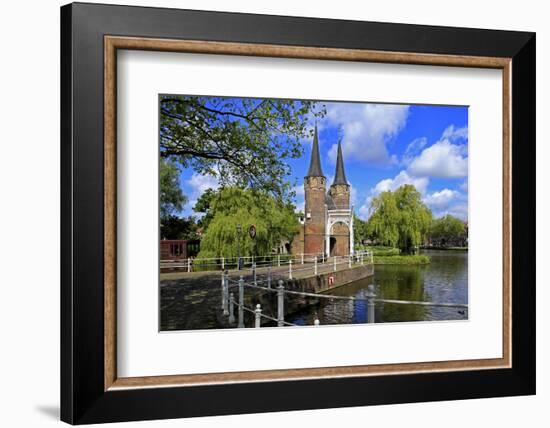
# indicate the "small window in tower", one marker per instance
pixel 308 215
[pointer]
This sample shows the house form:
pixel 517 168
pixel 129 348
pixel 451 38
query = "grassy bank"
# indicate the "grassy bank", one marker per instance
pixel 402 260
pixel 392 256
pixel 379 250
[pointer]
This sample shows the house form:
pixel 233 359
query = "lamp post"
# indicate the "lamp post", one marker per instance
pixel 239 229
pixel 252 233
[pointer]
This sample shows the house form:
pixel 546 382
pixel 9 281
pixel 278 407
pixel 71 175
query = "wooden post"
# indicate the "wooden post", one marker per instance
pixel 280 304
pixel 279 260
pixel 188 264
pixel 241 303
pixel 302 258
pixel 257 316
pixel 269 277
pixel 223 263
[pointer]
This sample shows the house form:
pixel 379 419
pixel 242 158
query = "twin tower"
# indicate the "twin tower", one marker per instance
pixel 327 226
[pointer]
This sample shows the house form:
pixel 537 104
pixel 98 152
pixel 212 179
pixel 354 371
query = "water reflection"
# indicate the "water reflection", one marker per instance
pixel 445 279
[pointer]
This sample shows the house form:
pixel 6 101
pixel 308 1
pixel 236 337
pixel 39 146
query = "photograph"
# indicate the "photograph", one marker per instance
pixel 293 212
pixel 268 212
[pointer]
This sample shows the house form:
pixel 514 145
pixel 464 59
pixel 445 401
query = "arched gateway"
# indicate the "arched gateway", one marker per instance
pixel 327 226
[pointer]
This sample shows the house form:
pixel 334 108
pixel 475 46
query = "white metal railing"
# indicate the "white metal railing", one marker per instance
pixel 323 265
pixel 223 263
pixel 229 302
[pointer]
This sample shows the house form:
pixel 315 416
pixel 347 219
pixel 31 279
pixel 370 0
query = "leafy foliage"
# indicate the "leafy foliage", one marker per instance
pixel 447 227
pixel 203 206
pixel 231 206
pixel 400 218
pixel 359 231
pixel 173 227
pixel 172 198
pixel 383 222
pixel 242 142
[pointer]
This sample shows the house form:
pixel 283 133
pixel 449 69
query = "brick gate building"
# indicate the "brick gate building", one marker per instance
pixel 327 226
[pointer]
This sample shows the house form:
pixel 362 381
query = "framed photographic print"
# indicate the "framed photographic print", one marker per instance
pixel 266 213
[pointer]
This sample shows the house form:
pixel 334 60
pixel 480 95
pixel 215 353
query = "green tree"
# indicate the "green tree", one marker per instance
pixel 415 219
pixel 203 206
pixel 173 227
pixel 274 220
pixel 383 221
pixel 360 231
pixel 172 198
pixel 447 227
pixel 400 218
pixel 243 142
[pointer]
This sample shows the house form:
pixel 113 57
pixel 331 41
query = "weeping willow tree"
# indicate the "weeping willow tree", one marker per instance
pixel 274 220
pixel 382 224
pixel 400 218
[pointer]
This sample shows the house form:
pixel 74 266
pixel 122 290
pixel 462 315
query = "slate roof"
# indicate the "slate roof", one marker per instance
pixel 315 163
pixel 340 176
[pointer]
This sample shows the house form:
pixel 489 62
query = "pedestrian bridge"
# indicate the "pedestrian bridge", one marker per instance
pixel 296 265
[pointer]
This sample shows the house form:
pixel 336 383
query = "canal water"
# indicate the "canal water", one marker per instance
pixel 444 280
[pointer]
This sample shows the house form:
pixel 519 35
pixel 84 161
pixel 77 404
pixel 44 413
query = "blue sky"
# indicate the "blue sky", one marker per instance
pixel 384 146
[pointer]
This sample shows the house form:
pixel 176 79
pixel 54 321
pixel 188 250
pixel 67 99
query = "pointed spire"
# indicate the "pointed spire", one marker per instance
pixel 315 163
pixel 340 176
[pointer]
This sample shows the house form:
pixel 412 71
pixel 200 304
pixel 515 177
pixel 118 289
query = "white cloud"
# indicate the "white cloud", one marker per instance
pixel 443 159
pixel 421 184
pixel 416 145
pixel 460 211
pixel 352 195
pixel 197 185
pixel 299 198
pixel 441 199
pixel 363 212
pixel 367 129
pixel 299 190
pixel 413 149
pixel 448 201
pixel 454 134
pixel 200 183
